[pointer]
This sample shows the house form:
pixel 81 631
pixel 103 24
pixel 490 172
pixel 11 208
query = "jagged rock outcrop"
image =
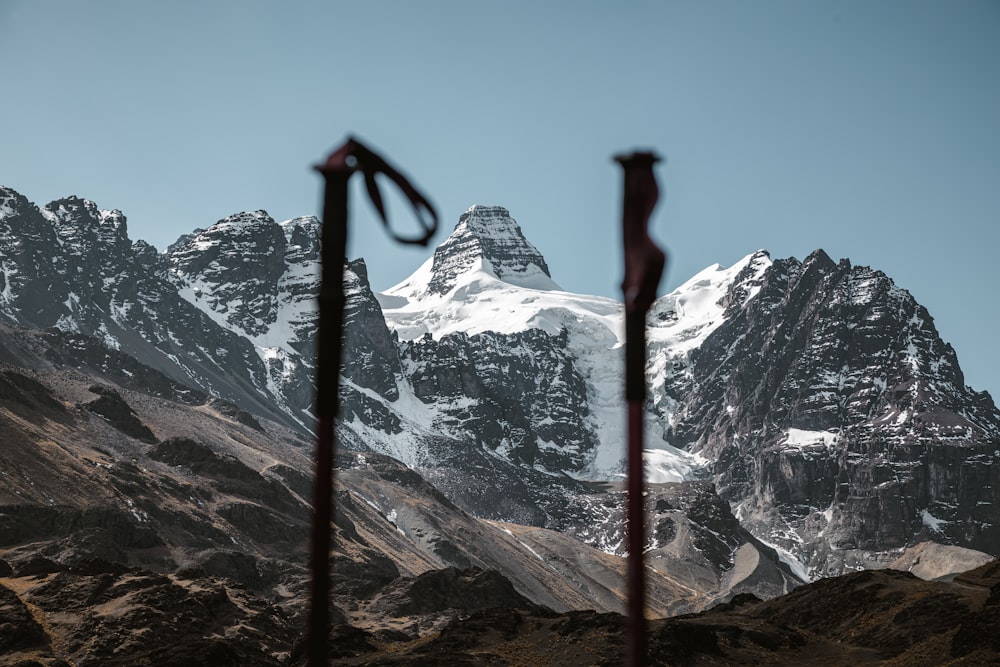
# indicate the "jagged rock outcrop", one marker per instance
pixel 519 394
pixel 234 267
pixel 30 277
pixel 257 280
pixel 110 405
pixel 370 358
pixel 109 615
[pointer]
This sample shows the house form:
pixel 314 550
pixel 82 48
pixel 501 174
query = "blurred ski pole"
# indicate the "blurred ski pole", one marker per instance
pixel 643 267
pixel 351 157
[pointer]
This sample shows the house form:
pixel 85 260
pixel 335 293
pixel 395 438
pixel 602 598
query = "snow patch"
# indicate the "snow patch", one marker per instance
pixel 796 438
pixel 932 521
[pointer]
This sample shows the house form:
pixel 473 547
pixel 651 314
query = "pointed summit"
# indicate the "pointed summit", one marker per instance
pixel 486 239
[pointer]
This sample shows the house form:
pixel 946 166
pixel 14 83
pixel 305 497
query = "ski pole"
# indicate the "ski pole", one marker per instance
pixel 644 264
pixel 351 157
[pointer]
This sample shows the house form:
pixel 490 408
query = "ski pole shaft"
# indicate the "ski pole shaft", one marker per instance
pixel 643 267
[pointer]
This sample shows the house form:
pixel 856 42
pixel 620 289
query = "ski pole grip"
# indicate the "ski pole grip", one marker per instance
pixel 644 263
pixel 354 156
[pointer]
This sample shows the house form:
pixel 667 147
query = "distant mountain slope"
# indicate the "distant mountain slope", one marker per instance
pixel 819 396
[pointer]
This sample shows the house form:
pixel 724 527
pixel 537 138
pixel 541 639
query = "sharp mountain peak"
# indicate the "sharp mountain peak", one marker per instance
pixel 486 240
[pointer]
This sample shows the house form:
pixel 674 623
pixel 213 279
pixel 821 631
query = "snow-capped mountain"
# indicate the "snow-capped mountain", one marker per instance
pixel 837 420
pixel 816 396
pixel 488 291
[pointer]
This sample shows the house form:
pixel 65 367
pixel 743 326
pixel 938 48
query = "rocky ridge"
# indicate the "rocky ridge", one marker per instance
pixel 487 239
pixel 872 617
pixel 69 266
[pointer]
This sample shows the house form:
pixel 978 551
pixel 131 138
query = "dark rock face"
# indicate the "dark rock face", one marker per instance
pixel 857 425
pixel 229 475
pixel 236 414
pixel 200 459
pixel 20 630
pixel 67 349
pixel 27 391
pixel 31 281
pixel 158 620
pixel 24 522
pixel 257 281
pixel 451 589
pixel 517 393
pixel 370 358
pixel 97 252
pixel 235 266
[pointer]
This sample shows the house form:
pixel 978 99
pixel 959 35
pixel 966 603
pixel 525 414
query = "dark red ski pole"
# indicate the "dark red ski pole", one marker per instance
pixel 643 267
pixel 337 171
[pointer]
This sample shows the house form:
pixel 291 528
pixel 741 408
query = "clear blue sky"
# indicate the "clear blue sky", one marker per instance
pixel 869 129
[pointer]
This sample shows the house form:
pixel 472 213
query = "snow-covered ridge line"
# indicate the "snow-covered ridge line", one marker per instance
pixel 685 317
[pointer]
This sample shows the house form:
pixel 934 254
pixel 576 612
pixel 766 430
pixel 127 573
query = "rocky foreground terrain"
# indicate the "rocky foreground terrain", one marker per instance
pixel 871 617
